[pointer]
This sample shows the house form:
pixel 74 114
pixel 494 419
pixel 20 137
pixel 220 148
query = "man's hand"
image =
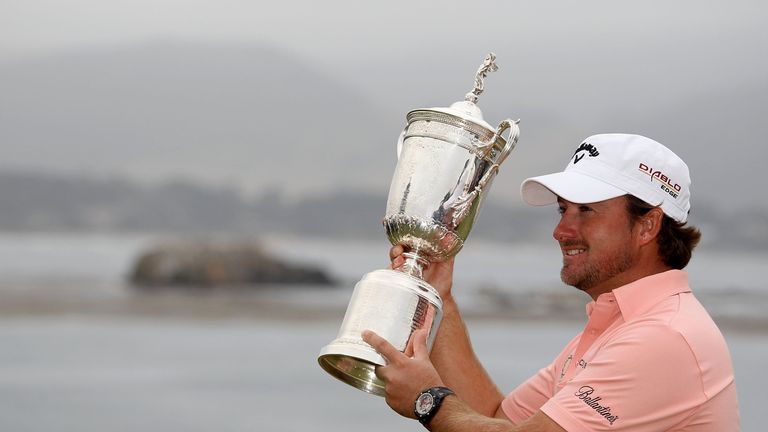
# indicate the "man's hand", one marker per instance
pixel 439 274
pixel 404 377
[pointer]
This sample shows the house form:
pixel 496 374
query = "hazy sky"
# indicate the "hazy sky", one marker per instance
pixel 696 43
pixel 640 58
pixel 331 31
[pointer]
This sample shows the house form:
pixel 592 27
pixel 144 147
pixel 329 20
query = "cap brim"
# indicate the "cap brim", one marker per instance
pixel 571 186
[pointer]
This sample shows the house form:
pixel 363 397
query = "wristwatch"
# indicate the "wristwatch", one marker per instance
pixel 428 403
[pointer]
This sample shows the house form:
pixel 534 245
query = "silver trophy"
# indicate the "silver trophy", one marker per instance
pixel 447 159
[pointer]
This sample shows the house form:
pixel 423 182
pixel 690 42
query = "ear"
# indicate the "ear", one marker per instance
pixel 649 225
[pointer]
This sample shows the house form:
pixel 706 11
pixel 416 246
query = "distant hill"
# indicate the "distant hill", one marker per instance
pixel 32 202
pixel 56 203
pixel 239 113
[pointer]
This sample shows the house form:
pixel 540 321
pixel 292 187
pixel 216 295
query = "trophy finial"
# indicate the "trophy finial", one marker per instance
pixel 489 65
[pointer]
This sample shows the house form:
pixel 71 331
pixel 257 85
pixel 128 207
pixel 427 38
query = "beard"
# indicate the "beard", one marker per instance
pixel 593 273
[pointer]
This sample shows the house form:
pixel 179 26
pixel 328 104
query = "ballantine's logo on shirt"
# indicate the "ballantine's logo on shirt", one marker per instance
pixel 584 394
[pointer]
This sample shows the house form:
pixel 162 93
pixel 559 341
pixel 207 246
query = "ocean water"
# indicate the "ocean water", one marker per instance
pixel 98 374
pixel 513 267
pixel 73 371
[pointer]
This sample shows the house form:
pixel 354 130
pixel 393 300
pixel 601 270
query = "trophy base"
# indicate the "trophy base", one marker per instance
pixel 357 372
pixel 394 305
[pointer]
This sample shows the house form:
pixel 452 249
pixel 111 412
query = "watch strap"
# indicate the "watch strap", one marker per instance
pixel 438 394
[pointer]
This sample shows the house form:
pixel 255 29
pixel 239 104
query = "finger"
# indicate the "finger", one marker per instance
pixel 397 262
pixel 408 352
pixel 410 345
pixel 380 372
pixel 386 349
pixel 420 349
pixel 396 256
pixel 396 251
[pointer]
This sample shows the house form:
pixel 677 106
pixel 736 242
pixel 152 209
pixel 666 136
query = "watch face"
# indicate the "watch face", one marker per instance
pixel 424 403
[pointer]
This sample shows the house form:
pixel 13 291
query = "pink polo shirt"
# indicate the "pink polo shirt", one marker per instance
pixel 649 359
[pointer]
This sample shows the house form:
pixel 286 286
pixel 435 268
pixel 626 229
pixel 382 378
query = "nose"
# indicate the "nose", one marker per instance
pixel 565 228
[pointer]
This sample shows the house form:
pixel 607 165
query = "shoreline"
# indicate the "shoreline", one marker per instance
pixel 281 305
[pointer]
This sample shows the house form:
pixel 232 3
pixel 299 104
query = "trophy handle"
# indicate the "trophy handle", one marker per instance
pixel 464 203
pixel 400 140
pixel 514 134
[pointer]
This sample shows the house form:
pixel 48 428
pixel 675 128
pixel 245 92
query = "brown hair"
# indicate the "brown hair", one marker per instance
pixel 676 241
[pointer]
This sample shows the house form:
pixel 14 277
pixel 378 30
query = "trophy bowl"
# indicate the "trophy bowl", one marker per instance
pixel 447 160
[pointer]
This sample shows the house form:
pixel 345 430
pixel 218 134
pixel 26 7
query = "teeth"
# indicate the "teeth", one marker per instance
pixel 574 251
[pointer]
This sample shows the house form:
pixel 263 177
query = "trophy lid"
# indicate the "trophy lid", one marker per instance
pixel 465 114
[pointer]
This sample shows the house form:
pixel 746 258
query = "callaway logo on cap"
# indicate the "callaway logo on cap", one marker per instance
pixel 611 165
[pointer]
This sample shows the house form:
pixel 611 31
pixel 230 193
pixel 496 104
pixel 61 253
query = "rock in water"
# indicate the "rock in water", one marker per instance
pixel 209 264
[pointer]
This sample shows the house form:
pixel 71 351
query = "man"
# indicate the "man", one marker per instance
pixel 649 359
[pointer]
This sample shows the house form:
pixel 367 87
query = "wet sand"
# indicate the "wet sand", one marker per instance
pixel 89 298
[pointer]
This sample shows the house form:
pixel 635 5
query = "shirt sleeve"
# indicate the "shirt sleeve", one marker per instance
pixel 529 396
pixel 645 379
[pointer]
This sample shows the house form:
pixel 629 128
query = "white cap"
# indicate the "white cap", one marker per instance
pixel 611 165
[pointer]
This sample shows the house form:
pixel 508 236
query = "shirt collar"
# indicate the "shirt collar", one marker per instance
pixel 635 298
pixel 640 296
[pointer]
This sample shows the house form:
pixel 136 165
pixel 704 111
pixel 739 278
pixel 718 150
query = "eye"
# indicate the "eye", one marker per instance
pixel 561 210
pixel 585 208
